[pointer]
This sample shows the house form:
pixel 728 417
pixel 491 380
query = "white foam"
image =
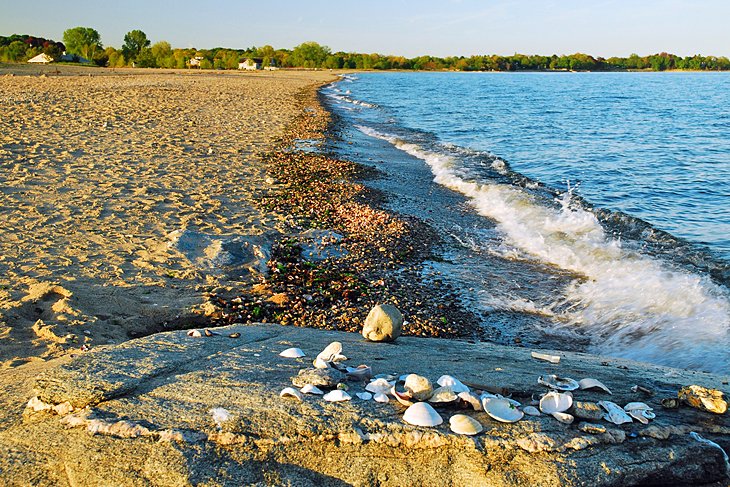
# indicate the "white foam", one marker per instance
pixel 633 305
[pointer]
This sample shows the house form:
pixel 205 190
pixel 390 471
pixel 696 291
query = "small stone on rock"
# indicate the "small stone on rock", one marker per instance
pixel 383 324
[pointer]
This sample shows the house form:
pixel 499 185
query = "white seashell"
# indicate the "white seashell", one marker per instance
pixel 614 413
pixel 637 406
pixel 292 353
pixel 418 387
pixel 563 417
pixel 290 391
pixel 472 399
pixel 194 333
pixel 311 389
pixel 443 394
pixel 379 386
pixel 401 397
pixel 362 372
pixel 365 396
pixel 331 353
pixel 489 395
pixel 337 395
pixel 560 383
pixel 640 411
pixel 501 409
pixel 555 402
pixel 531 411
pixel 462 424
pixel 590 383
pixel 220 416
pixel 320 364
pixel 380 397
pixel 553 359
pixel 455 384
pixel 422 414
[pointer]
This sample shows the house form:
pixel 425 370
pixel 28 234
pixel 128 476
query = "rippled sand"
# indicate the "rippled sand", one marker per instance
pixel 115 190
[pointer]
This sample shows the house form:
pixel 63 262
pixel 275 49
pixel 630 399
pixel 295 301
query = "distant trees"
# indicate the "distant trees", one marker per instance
pixel 135 42
pixel 21 47
pixel 309 55
pixel 84 42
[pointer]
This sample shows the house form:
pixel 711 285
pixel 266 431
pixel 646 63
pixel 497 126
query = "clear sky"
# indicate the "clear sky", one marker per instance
pixel 404 27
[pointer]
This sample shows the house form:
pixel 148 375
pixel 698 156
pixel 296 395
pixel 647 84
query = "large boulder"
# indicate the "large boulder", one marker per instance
pixel 383 324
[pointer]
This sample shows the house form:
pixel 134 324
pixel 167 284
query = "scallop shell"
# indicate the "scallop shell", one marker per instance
pixel 381 397
pixel 419 387
pixel 555 402
pixel 337 395
pixel 422 414
pixel 291 392
pixel 471 398
pixel 456 385
pixel 564 418
pixel 614 413
pixel 462 424
pixel 365 396
pixel 531 411
pixel 292 353
pixel 501 410
pixel 311 389
pixel 590 383
pixel 560 383
pixel 379 386
pixel 443 394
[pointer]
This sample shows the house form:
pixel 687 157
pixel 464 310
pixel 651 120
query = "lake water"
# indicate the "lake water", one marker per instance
pixel 579 210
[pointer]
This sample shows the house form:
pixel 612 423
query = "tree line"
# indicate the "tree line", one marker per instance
pixel 138 51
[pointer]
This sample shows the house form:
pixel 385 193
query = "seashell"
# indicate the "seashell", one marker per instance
pixel 501 409
pixel 471 398
pixel 590 383
pixel 402 397
pixel 234 335
pixel 209 333
pixel 670 403
pixel 640 411
pixel 560 383
pixel 461 424
pixel 381 397
pixel 456 385
pixel 555 402
pixel 220 416
pixel 291 392
pixel 292 353
pixel 365 396
pixel 311 389
pixel 564 418
pixel 361 372
pixel 343 387
pixel 443 394
pixel 594 429
pixel 702 398
pixel 331 353
pixel 614 413
pixel 553 359
pixel 194 333
pixel 418 387
pixel 320 364
pixel 422 414
pixel 337 395
pixel 379 386
pixel 633 406
pixel 531 411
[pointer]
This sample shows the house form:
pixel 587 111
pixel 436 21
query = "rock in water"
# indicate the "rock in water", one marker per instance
pixel 383 324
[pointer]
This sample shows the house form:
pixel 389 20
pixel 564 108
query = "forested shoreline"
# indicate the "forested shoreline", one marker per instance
pixel 85 44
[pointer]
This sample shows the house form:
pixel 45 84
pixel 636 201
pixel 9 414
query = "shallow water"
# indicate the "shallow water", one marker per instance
pixel 633 262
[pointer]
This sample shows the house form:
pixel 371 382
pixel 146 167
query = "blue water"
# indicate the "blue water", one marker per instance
pixel 592 206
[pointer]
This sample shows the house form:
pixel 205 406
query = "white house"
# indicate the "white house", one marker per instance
pixel 195 62
pixel 41 58
pixel 250 64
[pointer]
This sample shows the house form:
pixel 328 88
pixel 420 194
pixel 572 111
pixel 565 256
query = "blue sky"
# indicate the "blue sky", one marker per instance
pixel 410 28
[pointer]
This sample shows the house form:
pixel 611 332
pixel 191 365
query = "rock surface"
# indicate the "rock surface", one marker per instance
pixel 145 415
pixel 383 323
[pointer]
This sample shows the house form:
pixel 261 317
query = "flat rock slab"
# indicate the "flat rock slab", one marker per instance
pixel 143 417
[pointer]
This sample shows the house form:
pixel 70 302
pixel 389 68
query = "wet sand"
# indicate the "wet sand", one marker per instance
pixel 120 191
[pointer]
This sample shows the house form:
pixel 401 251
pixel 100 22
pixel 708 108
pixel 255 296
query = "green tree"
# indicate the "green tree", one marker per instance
pixel 309 55
pixel 83 41
pixel 134 42
pixel 162 53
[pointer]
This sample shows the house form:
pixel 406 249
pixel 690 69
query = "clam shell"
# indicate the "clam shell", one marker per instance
pixel 331 353
pixel 401 397
pixel 422 414
pixel 419 387
pixel 553 359
pixel 555 402
pixel 337 395
pixel 590 383
pixel 443 394
pixel 381 397
pixel 564 418
pixel 365 396
pixel 379 386
pixel 531 411
pixel 361 372
pixel 614 413
pixel 560 383
pixel 291 392
pixel 194 333
pixel 633 406
pixel 292 353
pixel 501 409
pixel 311 389
pixel 471 398
pixel 455 384
pixel 462 424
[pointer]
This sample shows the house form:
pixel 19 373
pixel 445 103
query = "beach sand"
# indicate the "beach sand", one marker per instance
pixel 121 192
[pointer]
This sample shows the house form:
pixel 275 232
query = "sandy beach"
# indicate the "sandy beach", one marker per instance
pixel 119 193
